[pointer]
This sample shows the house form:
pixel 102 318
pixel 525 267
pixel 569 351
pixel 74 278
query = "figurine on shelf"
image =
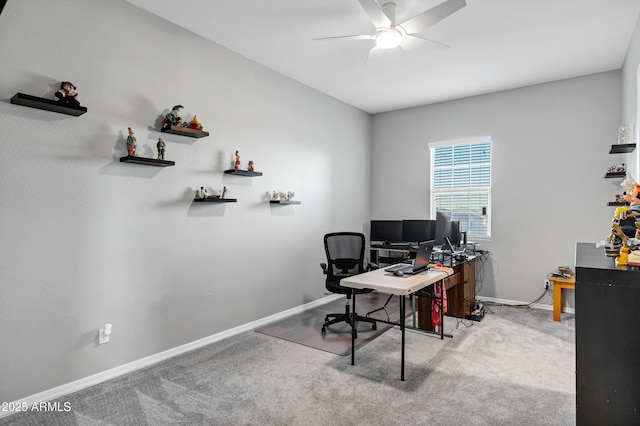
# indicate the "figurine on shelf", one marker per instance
pixel 250 166
pixel 283 196
pixel 131 143
pixel 632 191
pixel 68 94
pixel 236 165
pixel 224 192
pixel 203 192
pixel 274 196
pixel 290 195
pixel 194 124
pixel 160 145
pixel 173 118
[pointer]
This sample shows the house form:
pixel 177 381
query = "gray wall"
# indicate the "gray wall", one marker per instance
pixel 85 239
pixel 550 153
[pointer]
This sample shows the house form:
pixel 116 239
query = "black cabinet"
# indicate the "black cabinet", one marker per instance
pixel 607 340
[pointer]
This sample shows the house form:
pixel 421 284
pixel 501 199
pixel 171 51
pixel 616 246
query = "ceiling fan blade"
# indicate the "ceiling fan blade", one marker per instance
pixel 376 14
pixel 421 22
pixel 347 37
pixel 414 41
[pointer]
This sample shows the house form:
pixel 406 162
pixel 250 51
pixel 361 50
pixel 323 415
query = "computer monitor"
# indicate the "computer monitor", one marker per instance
pixel 455 233
pixel 415 231
pixel 443 226
pixel 386 230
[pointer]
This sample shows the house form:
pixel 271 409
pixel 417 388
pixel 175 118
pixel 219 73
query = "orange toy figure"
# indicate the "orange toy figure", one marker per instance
pixel 195 124
pixel 631 197
pixel 236 165
pixel 632 190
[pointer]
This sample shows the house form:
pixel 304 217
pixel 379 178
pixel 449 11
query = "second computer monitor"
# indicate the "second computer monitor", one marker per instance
pixel 456 235
pixel 416 231
pixel 443 226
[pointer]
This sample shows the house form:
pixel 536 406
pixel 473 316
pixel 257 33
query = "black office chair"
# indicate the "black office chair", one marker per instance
pixel 345 257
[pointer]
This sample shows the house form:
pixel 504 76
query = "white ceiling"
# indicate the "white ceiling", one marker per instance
pixel 495 44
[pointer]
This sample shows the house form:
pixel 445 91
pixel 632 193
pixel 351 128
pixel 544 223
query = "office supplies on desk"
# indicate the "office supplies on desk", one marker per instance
pixel 421 262
pixel 448 246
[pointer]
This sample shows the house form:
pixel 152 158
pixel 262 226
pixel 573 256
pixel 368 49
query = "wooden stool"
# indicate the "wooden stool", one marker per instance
pixel 558 285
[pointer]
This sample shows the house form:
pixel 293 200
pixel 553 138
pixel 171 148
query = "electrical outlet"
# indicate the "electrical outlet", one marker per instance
pixel 547 284
pixel 102 337
pixel 104 333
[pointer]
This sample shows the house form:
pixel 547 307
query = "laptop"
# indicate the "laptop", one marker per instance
pixel 421 262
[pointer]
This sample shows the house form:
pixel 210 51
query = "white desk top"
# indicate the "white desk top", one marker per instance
pixel 385 282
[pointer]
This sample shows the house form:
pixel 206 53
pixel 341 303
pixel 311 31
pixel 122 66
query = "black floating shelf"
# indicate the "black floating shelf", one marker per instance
pixel 284 202
pixel 616 203
pixel 622 148
pixel 47 104
pixel 615 175
pixel 242 172
pixel 146 161
pixel 215 200
pixel 185 131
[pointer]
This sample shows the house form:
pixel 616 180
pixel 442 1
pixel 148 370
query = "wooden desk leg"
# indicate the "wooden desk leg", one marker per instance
pixel 402 326
pixel 557 301
pixel 353 327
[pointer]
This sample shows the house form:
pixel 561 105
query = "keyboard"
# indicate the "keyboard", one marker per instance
pixel 404 267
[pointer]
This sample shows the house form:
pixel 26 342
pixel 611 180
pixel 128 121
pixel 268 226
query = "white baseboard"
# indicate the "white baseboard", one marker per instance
pixel 544 306
pixel 95 379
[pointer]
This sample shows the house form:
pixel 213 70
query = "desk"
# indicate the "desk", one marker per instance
pixel 461 286
pixel 558 284
pixel 385 282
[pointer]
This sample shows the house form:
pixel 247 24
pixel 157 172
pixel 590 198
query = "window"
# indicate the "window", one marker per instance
pixel 461 183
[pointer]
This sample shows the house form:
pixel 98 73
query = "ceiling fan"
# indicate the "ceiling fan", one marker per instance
pixel 390 34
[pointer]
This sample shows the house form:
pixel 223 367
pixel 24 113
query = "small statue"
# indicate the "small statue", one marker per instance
pixel 274 196
pixel 68 94
pixel 160 145
pixel 224 192
pixel 290 195
pixel 173 118
pixel 195 124
pixel 250 166
pixel 283 196
pixel 237 163
pixel 203 192
pixel 131 143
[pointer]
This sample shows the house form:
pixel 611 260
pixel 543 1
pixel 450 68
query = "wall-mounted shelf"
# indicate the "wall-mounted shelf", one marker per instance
pixel 622 148
pixel 215 200
pixel 284 202
pixel 47 104
pixel 147 161
pixel 242 172
pixel 185 131
pixel 615 175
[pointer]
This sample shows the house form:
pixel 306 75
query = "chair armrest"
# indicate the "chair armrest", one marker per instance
pixel 371 266
pixel 324 268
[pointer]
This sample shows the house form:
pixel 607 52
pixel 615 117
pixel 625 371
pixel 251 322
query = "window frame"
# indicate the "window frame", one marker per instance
pixel 465 190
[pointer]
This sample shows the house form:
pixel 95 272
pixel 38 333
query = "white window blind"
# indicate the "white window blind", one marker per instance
pixel 461 184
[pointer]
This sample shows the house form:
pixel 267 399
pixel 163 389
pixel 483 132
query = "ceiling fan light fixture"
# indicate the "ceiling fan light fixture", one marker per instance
pixel 389 38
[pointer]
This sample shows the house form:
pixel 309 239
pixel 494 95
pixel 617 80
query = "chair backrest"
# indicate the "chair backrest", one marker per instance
pixel 345 254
